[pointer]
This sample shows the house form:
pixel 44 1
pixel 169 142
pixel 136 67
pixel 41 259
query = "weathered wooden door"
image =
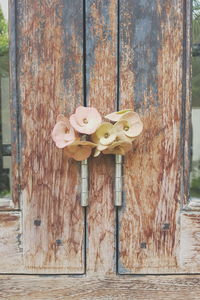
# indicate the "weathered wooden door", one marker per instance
pixel 111 55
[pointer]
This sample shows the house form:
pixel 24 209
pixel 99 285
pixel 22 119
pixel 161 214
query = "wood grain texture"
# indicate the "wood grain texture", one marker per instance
pixel 10 242
pixel 100 288
pixel 190 242
pixel 101 83
pixel 151 55
pixel 13 203
pixel 49 74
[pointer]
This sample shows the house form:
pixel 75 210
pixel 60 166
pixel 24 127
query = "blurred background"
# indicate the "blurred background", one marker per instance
pixel 195 164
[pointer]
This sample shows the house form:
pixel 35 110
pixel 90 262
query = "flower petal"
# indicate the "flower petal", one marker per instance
pixel 86 119
pixel 104 128
pixel 94 115
pixel 92 126
pixel 115 116
pixel 90 115
pixel 81 114
pixel 62 118
pixel 101 147
pixel 80 150
pixel 75 125
pixel 59 135
pixel 118 148
pixel 96 152
pixel 79 155
pixel 108 140
pixel 135 124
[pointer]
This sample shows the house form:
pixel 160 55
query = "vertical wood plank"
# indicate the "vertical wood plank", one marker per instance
pixel 190 241
pixel 11 242
pixel 49 74
pixel 101 76
pixel 13 203
pixel 151 34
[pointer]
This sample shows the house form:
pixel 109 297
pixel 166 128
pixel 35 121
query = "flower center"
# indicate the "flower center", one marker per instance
pixel 106 135
pixel 126 128
pixel 66 130
pixel 117 148
pixel 85 121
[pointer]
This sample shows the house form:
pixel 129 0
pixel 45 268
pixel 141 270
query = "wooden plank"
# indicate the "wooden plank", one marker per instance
pixel 100 288
pixel 151 36
pixel 101 80
pixel 190 242
pixel 13 203
pixel 10 242
pixel 49 78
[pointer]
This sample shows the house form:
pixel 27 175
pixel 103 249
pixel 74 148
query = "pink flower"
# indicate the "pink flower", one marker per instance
pixel 63 134
pixel 85 120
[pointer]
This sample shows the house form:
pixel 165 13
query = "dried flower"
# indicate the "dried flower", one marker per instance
pixel 80 150
pixel 85 120
pixel 63 134
pixel 115 116
pixel 119 147
pixel 103 136
pixel 130 124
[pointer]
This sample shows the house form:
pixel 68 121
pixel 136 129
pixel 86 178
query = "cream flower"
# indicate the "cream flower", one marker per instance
pixel 80 150
pixel 115 116
pixel 120 147
pixel 63 134
pixel 130 124
pixel 104 136
pixel 85 120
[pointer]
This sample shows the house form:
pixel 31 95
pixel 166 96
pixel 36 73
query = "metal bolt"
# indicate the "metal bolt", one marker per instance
pixel 166 226
pixel 37 222
pixel 58 242
pixel 143 245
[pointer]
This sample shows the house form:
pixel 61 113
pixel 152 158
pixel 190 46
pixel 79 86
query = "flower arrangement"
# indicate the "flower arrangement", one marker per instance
pixel 85 132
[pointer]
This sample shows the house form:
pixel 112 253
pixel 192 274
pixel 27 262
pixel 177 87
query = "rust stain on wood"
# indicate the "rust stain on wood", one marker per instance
pixel 50 82
pixel 152 171
pixel 101 66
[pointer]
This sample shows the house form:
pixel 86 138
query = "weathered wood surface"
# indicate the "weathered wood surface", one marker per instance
pixel 10 242
pixel 151 58
pixel 190 242
pixel 50 81
pixel 13 203
pixel 101 82
pixel 52 73
pixel 97 288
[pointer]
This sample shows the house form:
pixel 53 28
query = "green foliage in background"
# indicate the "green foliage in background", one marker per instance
pixel 4 46
pixel 196 54
pixel 195 187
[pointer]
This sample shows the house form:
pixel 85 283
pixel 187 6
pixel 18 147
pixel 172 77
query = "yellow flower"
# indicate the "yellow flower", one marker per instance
pixel 104 136
pixel 79 150
pixel 130 124
pixel 119 147
pixel 115 116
